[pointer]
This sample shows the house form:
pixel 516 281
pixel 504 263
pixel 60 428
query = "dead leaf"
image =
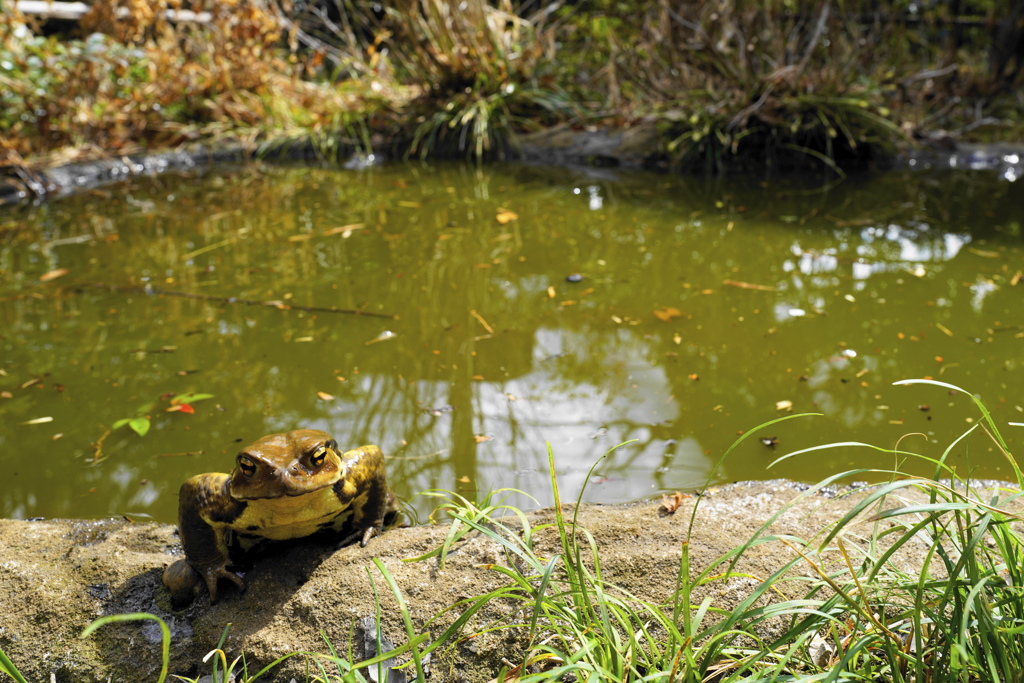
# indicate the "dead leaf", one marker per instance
pixel 551 292
pixel 784 405
pixel 300 238
pixel 1015 280
pixel 669 504
pixel 324 396
pixel 480 438
pixel 748 285
pixel 481 320
pixel 666 313
pixel 505 216
pixel 38 421
pixel 54 274
pixel 983 253
pixel 464 480
pixel 345 230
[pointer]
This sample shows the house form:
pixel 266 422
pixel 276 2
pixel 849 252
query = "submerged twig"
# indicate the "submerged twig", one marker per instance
pixel 280 305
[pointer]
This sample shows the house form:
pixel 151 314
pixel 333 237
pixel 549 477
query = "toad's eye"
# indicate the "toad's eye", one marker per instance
pixel 318 457
pixel 247 466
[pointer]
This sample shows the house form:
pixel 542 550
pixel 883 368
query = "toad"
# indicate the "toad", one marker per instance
pixel 284 486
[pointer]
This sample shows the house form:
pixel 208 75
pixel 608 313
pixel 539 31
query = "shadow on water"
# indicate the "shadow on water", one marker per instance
pixel 579 307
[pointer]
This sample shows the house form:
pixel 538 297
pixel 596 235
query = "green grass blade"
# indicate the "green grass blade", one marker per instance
pixel 165 634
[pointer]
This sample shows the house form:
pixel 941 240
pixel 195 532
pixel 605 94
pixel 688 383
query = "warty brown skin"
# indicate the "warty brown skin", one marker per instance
pixel 284 486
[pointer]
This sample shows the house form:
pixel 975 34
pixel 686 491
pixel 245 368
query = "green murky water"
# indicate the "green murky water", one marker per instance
pixel 705 308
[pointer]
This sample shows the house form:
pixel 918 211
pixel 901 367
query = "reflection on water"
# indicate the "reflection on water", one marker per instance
pixel 511 307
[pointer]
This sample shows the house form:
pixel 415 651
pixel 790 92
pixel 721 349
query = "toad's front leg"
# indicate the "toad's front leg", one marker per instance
pixel 205 511
pixel 364 490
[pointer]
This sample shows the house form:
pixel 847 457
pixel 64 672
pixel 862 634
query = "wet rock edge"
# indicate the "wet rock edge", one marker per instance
pixel 633 148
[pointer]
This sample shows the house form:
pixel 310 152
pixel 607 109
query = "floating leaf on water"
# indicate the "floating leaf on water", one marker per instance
pixel 985 254
pixel 181 408
pixel 189 397
pixel 54 274
pixel 481 320
pixel 748 285
pixel 796 312
pixel 324 396
pixel 383 336
pixel 303 339
pixel 783 405
pixel 140 425
pixel 38 421
pixel 505 216
pixel 344 230
pixel 1017 277
pixel 480 438
pixel 410 205
pixel 300 238
pixel 666 313
pixel 551 292
pixel 464 480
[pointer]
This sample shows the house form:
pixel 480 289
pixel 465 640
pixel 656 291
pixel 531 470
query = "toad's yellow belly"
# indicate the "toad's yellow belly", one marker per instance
pixel 279 519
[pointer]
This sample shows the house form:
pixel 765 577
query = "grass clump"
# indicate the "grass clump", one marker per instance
pixel 920 580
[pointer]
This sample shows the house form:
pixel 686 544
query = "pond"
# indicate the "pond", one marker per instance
pixel 464 318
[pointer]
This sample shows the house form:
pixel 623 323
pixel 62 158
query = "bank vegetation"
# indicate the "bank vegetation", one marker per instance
pixel 724 82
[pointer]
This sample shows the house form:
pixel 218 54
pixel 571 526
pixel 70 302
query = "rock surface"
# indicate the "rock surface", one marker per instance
pixel 57 576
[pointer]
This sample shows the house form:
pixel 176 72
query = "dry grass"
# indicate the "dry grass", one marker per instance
pixel 830 80
pixel 136 80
